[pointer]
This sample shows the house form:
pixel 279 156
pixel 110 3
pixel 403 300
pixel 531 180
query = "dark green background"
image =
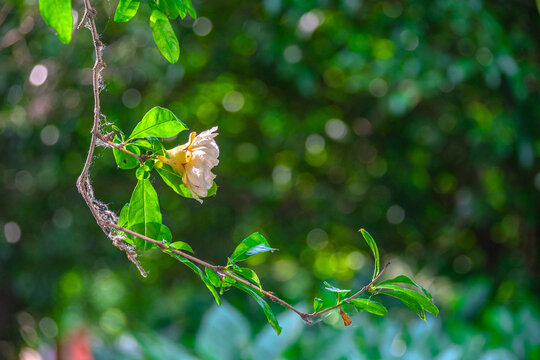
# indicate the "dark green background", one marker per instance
pixel 436 104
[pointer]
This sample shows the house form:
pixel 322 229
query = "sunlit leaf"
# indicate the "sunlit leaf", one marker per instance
pixel 405 280
pixel 144 215
pixel 253 244
pixel 415 301
pixel 158 122
pixel 164 36
pixel 214 278
pixel 57 14
pixel 335 289
pixel 369 306
pixel 373 246
pixel 126 9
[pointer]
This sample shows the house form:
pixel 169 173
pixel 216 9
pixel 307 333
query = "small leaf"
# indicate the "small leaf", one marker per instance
pixel 126 10
pixel 124 160
pixel 346 319
pixel 180 245
pixel 174 180
pixel 405 280
pixel 171 8
pixel 57 14
pixel 253 244
pixel 270 316
pixel 335 289
pixel 317 304
pixel 164 36
pixel 165 234
pixel 369 306
pixel 373 246
pixel 158 122
pixel 214 278
pixel 143 172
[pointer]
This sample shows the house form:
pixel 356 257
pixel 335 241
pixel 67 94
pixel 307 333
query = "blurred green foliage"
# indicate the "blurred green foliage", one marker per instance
pixel 417 120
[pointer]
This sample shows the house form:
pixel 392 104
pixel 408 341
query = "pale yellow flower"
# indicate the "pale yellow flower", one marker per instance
pixel 194 161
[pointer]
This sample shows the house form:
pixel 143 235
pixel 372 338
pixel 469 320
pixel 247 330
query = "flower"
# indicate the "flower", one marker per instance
pixel 194 161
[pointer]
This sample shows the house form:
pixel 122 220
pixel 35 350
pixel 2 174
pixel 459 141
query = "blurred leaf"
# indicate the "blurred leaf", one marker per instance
pixel 164 36
pixel 373 246
pixel 171 8
pixel 335 289
pixel 126 10
pixel 57 14
pixel 158 122
pixel 180 245
pixel 253 244
pixel 190 8
pixel 405 280
pixel 415 301
pixel 369 306
pixel 144 215
pixel 123 218
pixel 165 233
pixel 317 304
pixel 174 180
pixel 263 304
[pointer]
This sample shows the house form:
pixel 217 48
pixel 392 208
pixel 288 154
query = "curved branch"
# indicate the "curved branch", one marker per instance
pixel 103 215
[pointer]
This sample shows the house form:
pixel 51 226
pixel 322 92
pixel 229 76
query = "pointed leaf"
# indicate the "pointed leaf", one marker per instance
pixel 57 14
pixel 410 296
pixel 317 304
pixel 214 278
pixel 335 289
pixel 144 215
pixel 369 306
pixel 158 122
pixel 126 10
pixel 405 280
pixel 253 244
pixel 180 245
pixel 373 246
pixel 164 36
pixel 270 316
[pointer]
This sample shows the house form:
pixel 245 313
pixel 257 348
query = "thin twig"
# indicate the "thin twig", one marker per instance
pixel 85 188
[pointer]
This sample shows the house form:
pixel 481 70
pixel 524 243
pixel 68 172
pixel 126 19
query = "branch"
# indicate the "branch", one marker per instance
pixel 107 220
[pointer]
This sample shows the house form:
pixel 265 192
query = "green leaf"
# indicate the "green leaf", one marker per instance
pixel 144 215
pixel 214 278
pixel 180 245
pixel 317 304
pixel 125 160
pixel 143 172
pixel 190 9
pixel 151 144
pixel 123 218
pixel 165 234
pixel 405 280
pixel 253 244
pixel 174 180
pixel 415 301
pixel 199 272
pixel 118 132
pixel 159 122
pixel 335 289
pixel 373 246
pixel 270 316
pixel 57 14
pixel 247 274
pixel 126 10
pixel 164 36
pixel 369 306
